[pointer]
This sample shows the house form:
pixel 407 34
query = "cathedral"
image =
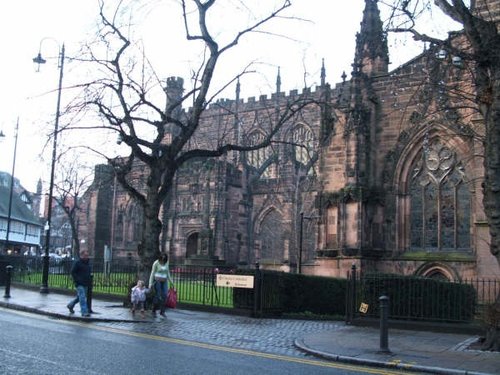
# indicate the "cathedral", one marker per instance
pixel 382 171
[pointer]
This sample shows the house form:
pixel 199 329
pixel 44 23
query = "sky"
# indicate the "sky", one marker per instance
pixel 326 30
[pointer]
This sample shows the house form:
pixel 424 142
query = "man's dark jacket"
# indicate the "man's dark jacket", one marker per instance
pixel 81 272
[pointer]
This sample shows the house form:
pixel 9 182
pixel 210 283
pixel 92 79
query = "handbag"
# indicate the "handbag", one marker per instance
pixel 171 300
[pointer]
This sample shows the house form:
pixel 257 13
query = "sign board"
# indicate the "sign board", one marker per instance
pixel 235 281
pixel 363 308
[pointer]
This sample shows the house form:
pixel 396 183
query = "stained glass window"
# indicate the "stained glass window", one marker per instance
pixel 303 140
pixel 440 202
pixel 257 158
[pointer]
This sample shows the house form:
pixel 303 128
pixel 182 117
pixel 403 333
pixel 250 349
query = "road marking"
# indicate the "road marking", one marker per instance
pixel 227 349
pixel 312 362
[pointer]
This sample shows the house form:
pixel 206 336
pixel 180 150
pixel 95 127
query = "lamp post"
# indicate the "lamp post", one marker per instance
pixel 11 187
pixel 301 235
pixel 45 270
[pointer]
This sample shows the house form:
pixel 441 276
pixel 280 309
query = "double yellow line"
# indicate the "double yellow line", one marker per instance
pixel 226 349
pixel 276 357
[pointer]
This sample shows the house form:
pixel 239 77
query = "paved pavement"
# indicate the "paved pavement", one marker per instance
pixel 420 351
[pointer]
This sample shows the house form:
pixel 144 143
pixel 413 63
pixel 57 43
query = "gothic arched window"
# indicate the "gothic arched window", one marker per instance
pixel 303 140
pixel 440 202
pixel 271 237
pixel 134 223
pixel 257 158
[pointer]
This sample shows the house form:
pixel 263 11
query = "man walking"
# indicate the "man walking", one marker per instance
pixel 81 273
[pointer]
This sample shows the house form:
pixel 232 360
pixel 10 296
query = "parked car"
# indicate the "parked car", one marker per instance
pixel 55 259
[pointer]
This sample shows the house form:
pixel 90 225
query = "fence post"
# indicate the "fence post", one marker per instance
pixel 384 329
pixel 7 281
pixel 257 288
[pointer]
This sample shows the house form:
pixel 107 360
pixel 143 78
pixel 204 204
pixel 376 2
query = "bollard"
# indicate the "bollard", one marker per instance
pixel 89 294
pixel 384 329
pixel 257 290
pixel 7 281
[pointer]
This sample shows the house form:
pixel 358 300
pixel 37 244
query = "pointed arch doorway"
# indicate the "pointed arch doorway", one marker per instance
pixel 192 245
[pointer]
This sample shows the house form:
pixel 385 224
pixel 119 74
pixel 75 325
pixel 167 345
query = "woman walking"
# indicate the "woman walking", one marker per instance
pixel 158 281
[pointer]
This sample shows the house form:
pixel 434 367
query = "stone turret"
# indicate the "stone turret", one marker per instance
pixel 174 90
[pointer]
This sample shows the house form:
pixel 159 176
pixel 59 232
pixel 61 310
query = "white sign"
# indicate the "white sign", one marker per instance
pixel 235 281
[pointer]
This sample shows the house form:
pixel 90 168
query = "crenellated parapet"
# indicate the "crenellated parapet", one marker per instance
pixel 281 98
pixel 176 83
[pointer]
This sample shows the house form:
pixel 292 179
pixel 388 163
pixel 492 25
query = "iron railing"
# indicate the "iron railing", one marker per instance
pixel 420 299
pixel 194 284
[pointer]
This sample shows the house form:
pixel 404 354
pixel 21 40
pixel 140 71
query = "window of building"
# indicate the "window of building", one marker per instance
pixel 32 230
pixel 17 227
pixel 440 202
pixel 271 237
pixel 119 227
pixel 331 228
pixel 303 141
pixel 257 158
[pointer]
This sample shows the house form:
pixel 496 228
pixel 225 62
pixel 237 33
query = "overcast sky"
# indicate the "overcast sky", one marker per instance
pixel 30 95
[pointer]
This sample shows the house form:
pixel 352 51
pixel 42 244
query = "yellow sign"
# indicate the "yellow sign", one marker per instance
pixel 363 308
pixel 235 281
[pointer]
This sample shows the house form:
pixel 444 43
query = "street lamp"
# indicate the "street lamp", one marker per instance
pixel 11 188
pixel 301 238
pixel 45 270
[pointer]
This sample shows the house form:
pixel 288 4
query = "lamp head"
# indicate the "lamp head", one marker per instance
pixel 39 60
pixel 2 135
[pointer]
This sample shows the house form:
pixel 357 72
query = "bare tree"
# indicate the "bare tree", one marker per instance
pixel 70 185
pixel 162 137
pixel 477 46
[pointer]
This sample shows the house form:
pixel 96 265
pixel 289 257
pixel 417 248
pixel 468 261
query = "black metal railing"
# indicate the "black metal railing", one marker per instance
pixel 418 298
pixel 194 284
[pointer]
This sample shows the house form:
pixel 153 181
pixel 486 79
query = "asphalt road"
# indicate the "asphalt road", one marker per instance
pixel 33 344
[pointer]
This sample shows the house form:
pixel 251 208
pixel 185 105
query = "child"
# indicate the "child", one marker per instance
pixel 138 297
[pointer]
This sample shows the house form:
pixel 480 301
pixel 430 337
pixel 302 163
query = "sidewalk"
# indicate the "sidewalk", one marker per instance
pixel 429 352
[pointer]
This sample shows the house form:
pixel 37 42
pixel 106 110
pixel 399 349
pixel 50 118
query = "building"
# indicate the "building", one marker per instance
pixel 382 171
pixel 18 217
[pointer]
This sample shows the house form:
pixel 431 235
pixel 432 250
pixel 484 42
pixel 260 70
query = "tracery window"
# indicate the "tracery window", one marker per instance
pixel 271 237
pixel 440 202
pixel 303 140
pixel 257 158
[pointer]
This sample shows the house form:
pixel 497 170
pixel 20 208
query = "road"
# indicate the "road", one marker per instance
pixel 33 344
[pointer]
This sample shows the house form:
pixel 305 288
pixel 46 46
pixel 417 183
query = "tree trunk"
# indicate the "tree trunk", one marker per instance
pixel 492 322
pixel 491 191
pixel 492 165
pixel 149 247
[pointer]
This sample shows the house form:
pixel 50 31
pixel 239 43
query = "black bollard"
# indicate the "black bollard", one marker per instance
pixel 7 281
pixel 384 328
pixel 257 289
pixel 89 294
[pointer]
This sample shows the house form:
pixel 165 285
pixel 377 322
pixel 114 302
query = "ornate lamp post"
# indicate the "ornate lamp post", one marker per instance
pixel 45 270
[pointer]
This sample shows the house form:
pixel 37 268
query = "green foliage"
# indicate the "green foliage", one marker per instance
pixel 315 294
